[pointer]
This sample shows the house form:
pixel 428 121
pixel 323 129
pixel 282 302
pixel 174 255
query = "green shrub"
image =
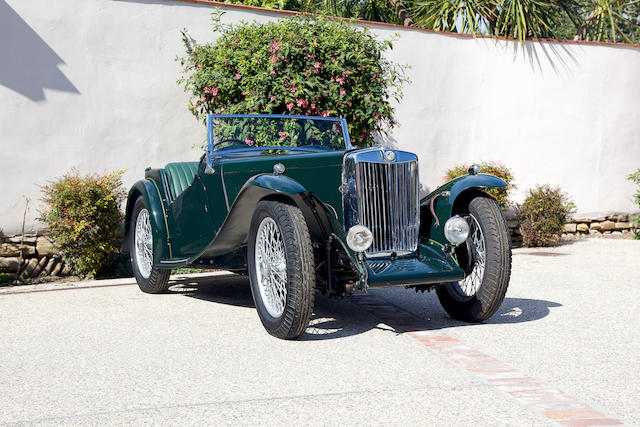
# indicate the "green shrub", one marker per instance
pixel 635 219
pixel 84 219
pixel 543 215
pixel 493 168
pixel 302 65
pixel 4 278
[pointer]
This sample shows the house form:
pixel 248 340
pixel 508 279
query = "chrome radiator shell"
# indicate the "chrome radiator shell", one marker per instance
pixel 380 190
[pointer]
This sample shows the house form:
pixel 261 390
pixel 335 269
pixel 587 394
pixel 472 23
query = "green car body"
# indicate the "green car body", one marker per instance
pixel 201 213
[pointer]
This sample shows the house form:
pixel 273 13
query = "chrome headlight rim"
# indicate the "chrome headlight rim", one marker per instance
pixel 359 238
pixel 456 230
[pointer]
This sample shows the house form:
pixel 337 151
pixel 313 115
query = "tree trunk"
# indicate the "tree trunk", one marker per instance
pixel 402 13
pixel 584 28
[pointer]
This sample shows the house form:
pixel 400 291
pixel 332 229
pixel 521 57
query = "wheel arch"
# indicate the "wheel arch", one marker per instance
pixel 449 199
pixel 149 190
pixel 465 197
pixel 234 231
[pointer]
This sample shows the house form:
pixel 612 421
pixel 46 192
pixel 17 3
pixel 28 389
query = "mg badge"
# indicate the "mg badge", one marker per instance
pixel 389 156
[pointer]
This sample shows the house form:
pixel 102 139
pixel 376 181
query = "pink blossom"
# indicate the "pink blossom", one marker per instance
pixel 332 79
pixel 273 58
pixel 313 106
pixel 326 113
pixel 293 89
pixel 200 65
pixel 202 98
pixel 273 97
pixel 238 76
pixel 281 57
pixel 316 67
pixel 222 109
pixel 248 141
pixel 272 72
pixel 340 80
pixel 301 103
pixel 342 91
pixel 244 93
pixel 290 106
pixel 274 47
pixel 333 59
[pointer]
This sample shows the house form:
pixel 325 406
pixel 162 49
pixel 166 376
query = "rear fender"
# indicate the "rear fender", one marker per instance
pixel 150 190
pixel 449 199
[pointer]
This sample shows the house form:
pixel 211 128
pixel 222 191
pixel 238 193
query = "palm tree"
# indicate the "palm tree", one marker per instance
pixel 589 19
pixel 513 18
pixel 599 20
pixel 610 20
pixel 402 13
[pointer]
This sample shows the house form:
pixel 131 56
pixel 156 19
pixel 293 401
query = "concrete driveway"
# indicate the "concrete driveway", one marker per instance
pixel 564 347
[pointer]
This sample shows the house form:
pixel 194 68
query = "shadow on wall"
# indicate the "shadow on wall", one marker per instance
pixel 557 55
pixel 28 63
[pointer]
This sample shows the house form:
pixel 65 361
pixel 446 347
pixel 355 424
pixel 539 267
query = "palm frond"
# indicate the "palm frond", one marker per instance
pixel 473 17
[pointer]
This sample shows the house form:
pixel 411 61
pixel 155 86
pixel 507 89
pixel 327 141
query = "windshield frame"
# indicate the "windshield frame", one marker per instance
pixel 211 117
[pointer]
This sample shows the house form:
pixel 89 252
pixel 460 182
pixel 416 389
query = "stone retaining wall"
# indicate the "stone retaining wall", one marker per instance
pixel 32 258
pixel 606 224
pixel 596 225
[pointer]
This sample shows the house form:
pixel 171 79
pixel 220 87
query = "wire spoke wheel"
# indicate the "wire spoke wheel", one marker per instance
pixel 144 244
pixel 150 279
pixel 281 268
pixel 470 285
pixel 271 267
pixel 485 259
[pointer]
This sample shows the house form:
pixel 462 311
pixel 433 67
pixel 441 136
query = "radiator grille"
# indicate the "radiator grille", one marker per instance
pixel 388 205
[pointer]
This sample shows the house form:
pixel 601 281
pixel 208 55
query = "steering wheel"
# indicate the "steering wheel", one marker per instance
pixel 234 140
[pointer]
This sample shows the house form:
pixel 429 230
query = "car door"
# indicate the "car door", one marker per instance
pixel 192 217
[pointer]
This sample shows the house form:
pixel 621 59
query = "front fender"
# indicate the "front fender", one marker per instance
pixel 149 189
pixel 276 183
pixel 459 189
pixel 235 229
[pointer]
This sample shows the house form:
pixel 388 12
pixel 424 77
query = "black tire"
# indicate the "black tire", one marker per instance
pixel 158 280
pixel 487 298
pixel 300 269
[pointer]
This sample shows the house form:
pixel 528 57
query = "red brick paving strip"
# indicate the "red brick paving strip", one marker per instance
pixel 533 393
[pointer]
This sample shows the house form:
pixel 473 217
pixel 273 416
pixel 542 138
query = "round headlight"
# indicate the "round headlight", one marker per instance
pixel 456 230
pixel 359 238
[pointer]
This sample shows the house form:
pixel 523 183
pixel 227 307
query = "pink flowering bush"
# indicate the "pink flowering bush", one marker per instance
pixel 302 65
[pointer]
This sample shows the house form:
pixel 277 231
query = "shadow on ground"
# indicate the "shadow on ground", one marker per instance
pixel 337 318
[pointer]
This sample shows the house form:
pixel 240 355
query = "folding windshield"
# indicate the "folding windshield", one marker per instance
pixel 274 132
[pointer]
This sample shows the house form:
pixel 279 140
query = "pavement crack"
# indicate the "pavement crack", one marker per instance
pixel 230 402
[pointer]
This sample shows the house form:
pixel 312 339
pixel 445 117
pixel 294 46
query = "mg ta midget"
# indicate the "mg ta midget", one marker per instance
pixel 290 202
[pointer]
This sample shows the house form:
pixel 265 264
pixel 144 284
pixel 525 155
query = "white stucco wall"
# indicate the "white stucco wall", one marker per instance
pixel 92 85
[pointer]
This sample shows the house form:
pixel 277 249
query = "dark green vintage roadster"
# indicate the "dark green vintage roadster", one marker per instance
pixel 288 201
